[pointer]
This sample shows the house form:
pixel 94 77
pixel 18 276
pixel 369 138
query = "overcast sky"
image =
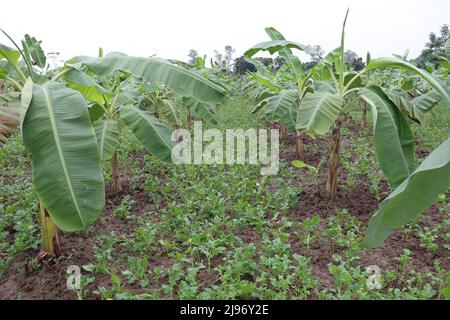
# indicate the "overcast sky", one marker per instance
pixel 169 28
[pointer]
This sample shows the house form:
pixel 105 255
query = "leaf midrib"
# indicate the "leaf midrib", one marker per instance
pixel 60 152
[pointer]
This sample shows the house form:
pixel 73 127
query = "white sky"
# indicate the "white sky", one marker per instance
pixel 169 28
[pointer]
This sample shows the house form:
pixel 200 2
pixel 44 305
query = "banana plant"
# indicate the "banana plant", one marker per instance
pixel 409 92
pixel 419 190
pixel 334 92
pixel 320 112
pixel 199 109
pixel 169 107
pixel 59 141
pixel 283 104
pixel 335 89
pixel 120 101
pixel 414 195
pixel 214 74
pixel 65 147
pixel 163 103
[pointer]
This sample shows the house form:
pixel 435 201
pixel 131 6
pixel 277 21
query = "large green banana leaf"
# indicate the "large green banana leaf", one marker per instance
pixel 261 99
pixel 404 65
pixel 269 84
pixel 10 54
pixel 180 80
pixel 151 132
pixel 401 101
pixel 203 110
pixel 128 92
pixel 333 57
pixel 286 53
pixel 259 106
pixel 348 76
pixel 417 193
pixel 206 111
pixel 34 51
pixel 261 68
pixel 3 73
pixel 169 110
pixel 107 133
pixel 63 150
pixel 318 111
pixel 283 107
pixel 272 47
pixel 393 139
pixel 90 89
pixel 324 85
pixel 427 101
pixel 95 111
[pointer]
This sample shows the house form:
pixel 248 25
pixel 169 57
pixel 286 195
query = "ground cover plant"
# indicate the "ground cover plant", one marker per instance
pixel 359 209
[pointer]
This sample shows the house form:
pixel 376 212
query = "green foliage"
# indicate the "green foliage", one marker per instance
pixel 218 231
pixel 435 47
pixel 64 155
pixel 407 201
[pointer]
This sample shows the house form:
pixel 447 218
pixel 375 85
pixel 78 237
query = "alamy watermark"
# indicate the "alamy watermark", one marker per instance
pixel 374 280
pixel 73 281
pixel 209 147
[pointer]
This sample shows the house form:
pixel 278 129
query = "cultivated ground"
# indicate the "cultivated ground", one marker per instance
pixel 226 232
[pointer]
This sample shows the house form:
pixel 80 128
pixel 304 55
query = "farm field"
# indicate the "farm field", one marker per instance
pixel 267 176
pixel 227 233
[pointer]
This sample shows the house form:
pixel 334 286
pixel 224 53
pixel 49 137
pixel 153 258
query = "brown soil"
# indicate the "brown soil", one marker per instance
pixel 360 203
pixel 48 280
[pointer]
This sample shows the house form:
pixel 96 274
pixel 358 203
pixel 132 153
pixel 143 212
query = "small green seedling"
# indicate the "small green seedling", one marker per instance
pixel 314 170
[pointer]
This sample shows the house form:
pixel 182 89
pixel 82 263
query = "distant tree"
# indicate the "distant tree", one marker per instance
pixel 193 54
pixel 306 66
pixel 241 66
pixel 353 61
pixel 316 53
pixel 265 61
pixel 350 56
pixel 434 46
pixel 359 64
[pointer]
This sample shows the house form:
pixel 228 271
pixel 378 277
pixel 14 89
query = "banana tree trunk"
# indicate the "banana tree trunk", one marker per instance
pixel 283 132
pixel 115 174
pixel 50 243
pixel 364 115
pixel 188 118
pixel 299 146
pixel 333 161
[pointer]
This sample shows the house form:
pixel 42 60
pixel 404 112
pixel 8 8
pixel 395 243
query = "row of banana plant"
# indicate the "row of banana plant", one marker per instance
pixel 315 103
pixel 71 122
